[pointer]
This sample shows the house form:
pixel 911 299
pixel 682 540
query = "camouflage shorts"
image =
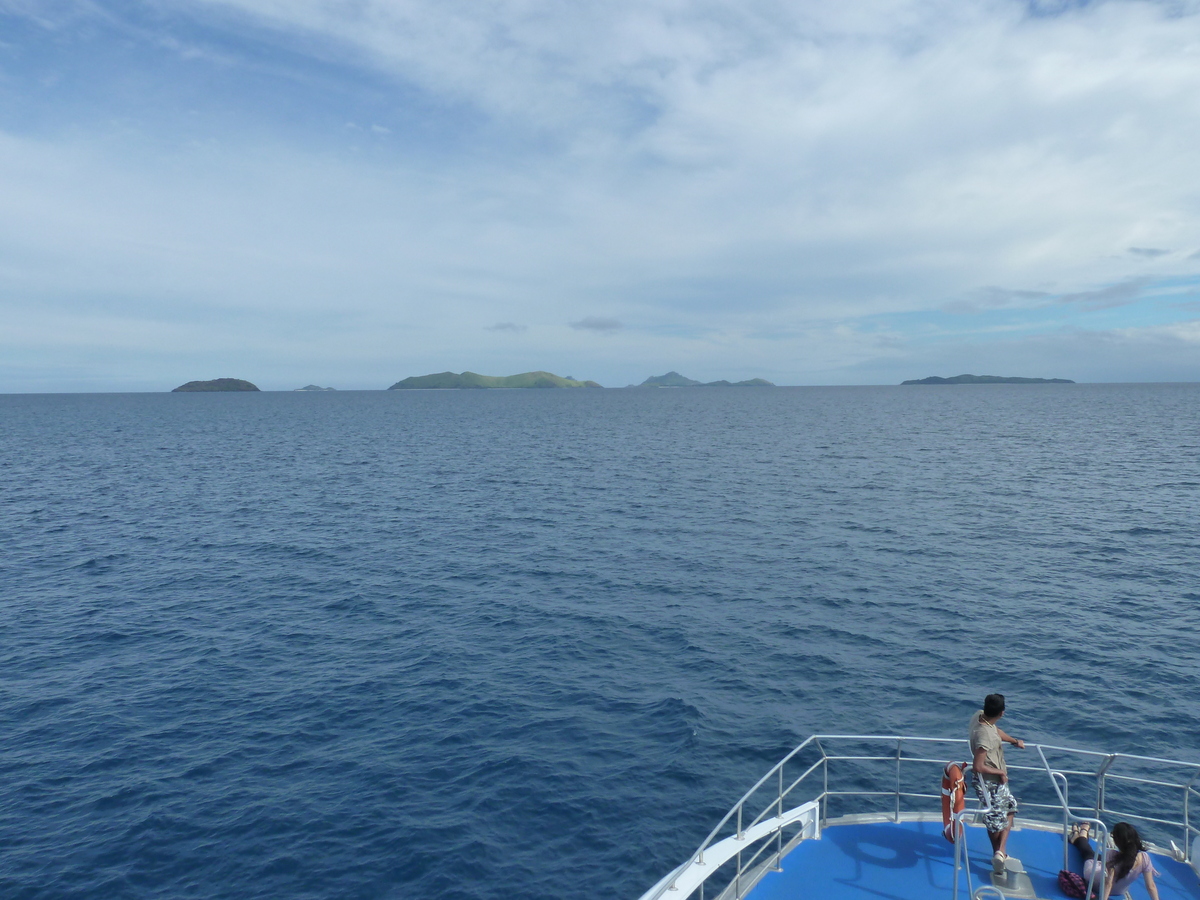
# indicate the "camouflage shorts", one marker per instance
pixel 998 801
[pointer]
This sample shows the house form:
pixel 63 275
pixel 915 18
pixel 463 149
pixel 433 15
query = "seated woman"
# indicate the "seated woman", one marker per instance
pixel 1125 864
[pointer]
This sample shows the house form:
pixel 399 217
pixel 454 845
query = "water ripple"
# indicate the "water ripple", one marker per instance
pixel 486 645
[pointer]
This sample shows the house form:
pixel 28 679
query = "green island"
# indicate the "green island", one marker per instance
pixel 313 387
pixel 471 380
pixel 216 384
pixel 674 379
pixel 986 379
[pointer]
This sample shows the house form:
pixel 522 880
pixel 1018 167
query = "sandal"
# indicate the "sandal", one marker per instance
pixel 1079 830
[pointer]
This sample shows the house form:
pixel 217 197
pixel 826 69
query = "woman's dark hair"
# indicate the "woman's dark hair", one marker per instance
pixel 993 705
pixel 1129 845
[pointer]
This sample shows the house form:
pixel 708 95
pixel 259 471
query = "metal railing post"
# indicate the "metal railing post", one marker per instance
pixel 1066 793
pixel 1187 822
pixel 961 862
pixel 825 790
pixel 1187 831
pixel 779 809
pixel 898 743
pixel 954 825
pixel 1101 779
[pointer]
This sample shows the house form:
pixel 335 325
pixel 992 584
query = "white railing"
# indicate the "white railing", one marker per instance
pixel 828 776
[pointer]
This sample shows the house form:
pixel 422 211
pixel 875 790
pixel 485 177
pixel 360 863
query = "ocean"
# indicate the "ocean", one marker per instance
pixel 482 645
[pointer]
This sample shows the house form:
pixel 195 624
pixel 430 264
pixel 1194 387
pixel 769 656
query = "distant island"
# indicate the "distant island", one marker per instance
pixel 313 387
pixel 470 380
pixel 986 379
pixel 216 384
pixel 674 379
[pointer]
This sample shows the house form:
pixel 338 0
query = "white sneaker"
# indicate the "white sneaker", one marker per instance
pixel 998 860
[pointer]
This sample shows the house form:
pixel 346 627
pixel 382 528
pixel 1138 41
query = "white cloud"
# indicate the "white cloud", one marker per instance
pixel 1182 335
pixel 1119 294
pixel 716 177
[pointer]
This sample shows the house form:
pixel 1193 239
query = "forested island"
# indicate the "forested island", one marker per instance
pixel 986 379
pixel 314 387
pixel 471 380
pixel 216 384
pixel 674 379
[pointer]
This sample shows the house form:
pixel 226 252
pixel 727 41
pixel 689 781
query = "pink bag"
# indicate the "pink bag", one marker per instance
pixel 1072 884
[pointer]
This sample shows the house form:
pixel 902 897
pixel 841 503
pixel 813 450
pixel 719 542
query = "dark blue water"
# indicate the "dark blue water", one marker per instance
pixel 531 644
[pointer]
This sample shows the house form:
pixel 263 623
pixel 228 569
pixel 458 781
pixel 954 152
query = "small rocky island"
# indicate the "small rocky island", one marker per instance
pixel 471 380
pixel 216 384
pixel 674 379
pixel 986 379
pixel 313 387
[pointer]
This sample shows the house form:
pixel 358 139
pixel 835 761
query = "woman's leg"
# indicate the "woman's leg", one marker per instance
pixel 1084 846
pixel 1093 874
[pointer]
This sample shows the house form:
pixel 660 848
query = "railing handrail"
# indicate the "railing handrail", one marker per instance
pixel 746 796
pixel 1028 744
pixel 826 757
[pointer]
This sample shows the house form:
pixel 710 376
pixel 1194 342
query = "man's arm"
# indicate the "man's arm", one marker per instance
pixel 1020 745
pixel 979 764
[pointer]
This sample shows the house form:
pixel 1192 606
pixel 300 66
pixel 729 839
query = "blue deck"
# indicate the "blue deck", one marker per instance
pixel 912 861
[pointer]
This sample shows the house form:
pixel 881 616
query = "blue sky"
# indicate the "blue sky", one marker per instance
pixel 348 193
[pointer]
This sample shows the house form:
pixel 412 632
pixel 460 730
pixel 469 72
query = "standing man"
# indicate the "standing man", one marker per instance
pixel 991 775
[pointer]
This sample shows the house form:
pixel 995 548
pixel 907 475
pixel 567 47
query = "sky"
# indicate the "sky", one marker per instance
pixel 350 192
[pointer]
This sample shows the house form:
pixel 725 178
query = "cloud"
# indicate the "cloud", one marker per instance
pixel 1121 294
pixel 747 182
pixel 597 323
pixel 990 298
pixel 1179 333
